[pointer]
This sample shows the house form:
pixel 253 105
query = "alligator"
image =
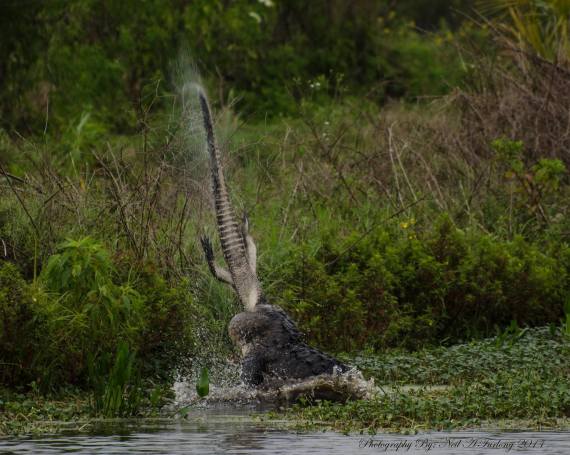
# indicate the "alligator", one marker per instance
pixel 271 345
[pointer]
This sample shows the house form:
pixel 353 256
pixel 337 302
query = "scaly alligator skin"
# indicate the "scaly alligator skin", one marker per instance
pixel 272 348
pixel 237 246
pixel 271 345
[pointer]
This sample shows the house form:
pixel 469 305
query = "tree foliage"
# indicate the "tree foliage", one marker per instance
pixel 94 64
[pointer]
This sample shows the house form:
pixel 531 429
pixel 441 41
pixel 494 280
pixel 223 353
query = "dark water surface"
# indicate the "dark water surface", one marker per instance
pixel 211 432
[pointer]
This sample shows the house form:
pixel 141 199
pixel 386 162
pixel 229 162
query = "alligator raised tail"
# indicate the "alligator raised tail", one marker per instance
pixel 237 245
pixel 271 345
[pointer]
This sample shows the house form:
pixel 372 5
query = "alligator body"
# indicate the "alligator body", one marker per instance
pixel 271 345
pixel 273 349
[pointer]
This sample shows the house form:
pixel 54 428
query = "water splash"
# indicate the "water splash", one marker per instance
pixel 228 390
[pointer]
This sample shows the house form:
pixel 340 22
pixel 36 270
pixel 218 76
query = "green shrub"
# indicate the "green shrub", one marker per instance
pixel 89 313
pixel 534 188
pixel 168 341
pixel 96 303
pixel 411 287
pixel 21 328
pixel 86 309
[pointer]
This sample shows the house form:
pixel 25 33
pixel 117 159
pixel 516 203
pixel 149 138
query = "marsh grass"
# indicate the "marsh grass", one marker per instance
pixel 375 221
pixel 116 383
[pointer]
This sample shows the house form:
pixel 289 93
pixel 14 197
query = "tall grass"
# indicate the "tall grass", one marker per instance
pixel 116 383
pixel 538 26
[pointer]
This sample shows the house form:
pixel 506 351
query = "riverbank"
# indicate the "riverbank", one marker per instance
pixel 518 380
pixel 70 411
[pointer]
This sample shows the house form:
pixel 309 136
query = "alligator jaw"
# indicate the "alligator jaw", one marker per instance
pixel 234 239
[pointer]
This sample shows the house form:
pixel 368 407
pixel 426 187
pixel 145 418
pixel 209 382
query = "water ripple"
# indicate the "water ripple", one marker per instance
pixel 233 434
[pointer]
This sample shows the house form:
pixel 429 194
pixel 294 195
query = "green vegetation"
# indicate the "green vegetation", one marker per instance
pixel 539 26
pixel 414 287
pixel 203 384
pixel 75 316
pixel 519 376
pixel 515 352
pixel 116 56
pixel 34 413
pixel 70 410
pixel 407 190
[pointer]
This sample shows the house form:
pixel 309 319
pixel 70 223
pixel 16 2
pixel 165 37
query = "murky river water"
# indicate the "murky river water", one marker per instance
pixel 217 432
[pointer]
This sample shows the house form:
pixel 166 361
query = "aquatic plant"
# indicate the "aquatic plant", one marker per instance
pixel 514 352
pixel 460 386
pixel 116 383
pixel 203 383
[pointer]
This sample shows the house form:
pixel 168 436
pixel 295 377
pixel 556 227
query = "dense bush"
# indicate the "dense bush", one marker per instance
pixel 89 313
pixel 71 324
pixel 173 320
pixel 22 328
pixel 415 287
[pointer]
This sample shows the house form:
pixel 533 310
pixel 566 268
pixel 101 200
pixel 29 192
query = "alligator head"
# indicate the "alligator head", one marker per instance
pixel 238 248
